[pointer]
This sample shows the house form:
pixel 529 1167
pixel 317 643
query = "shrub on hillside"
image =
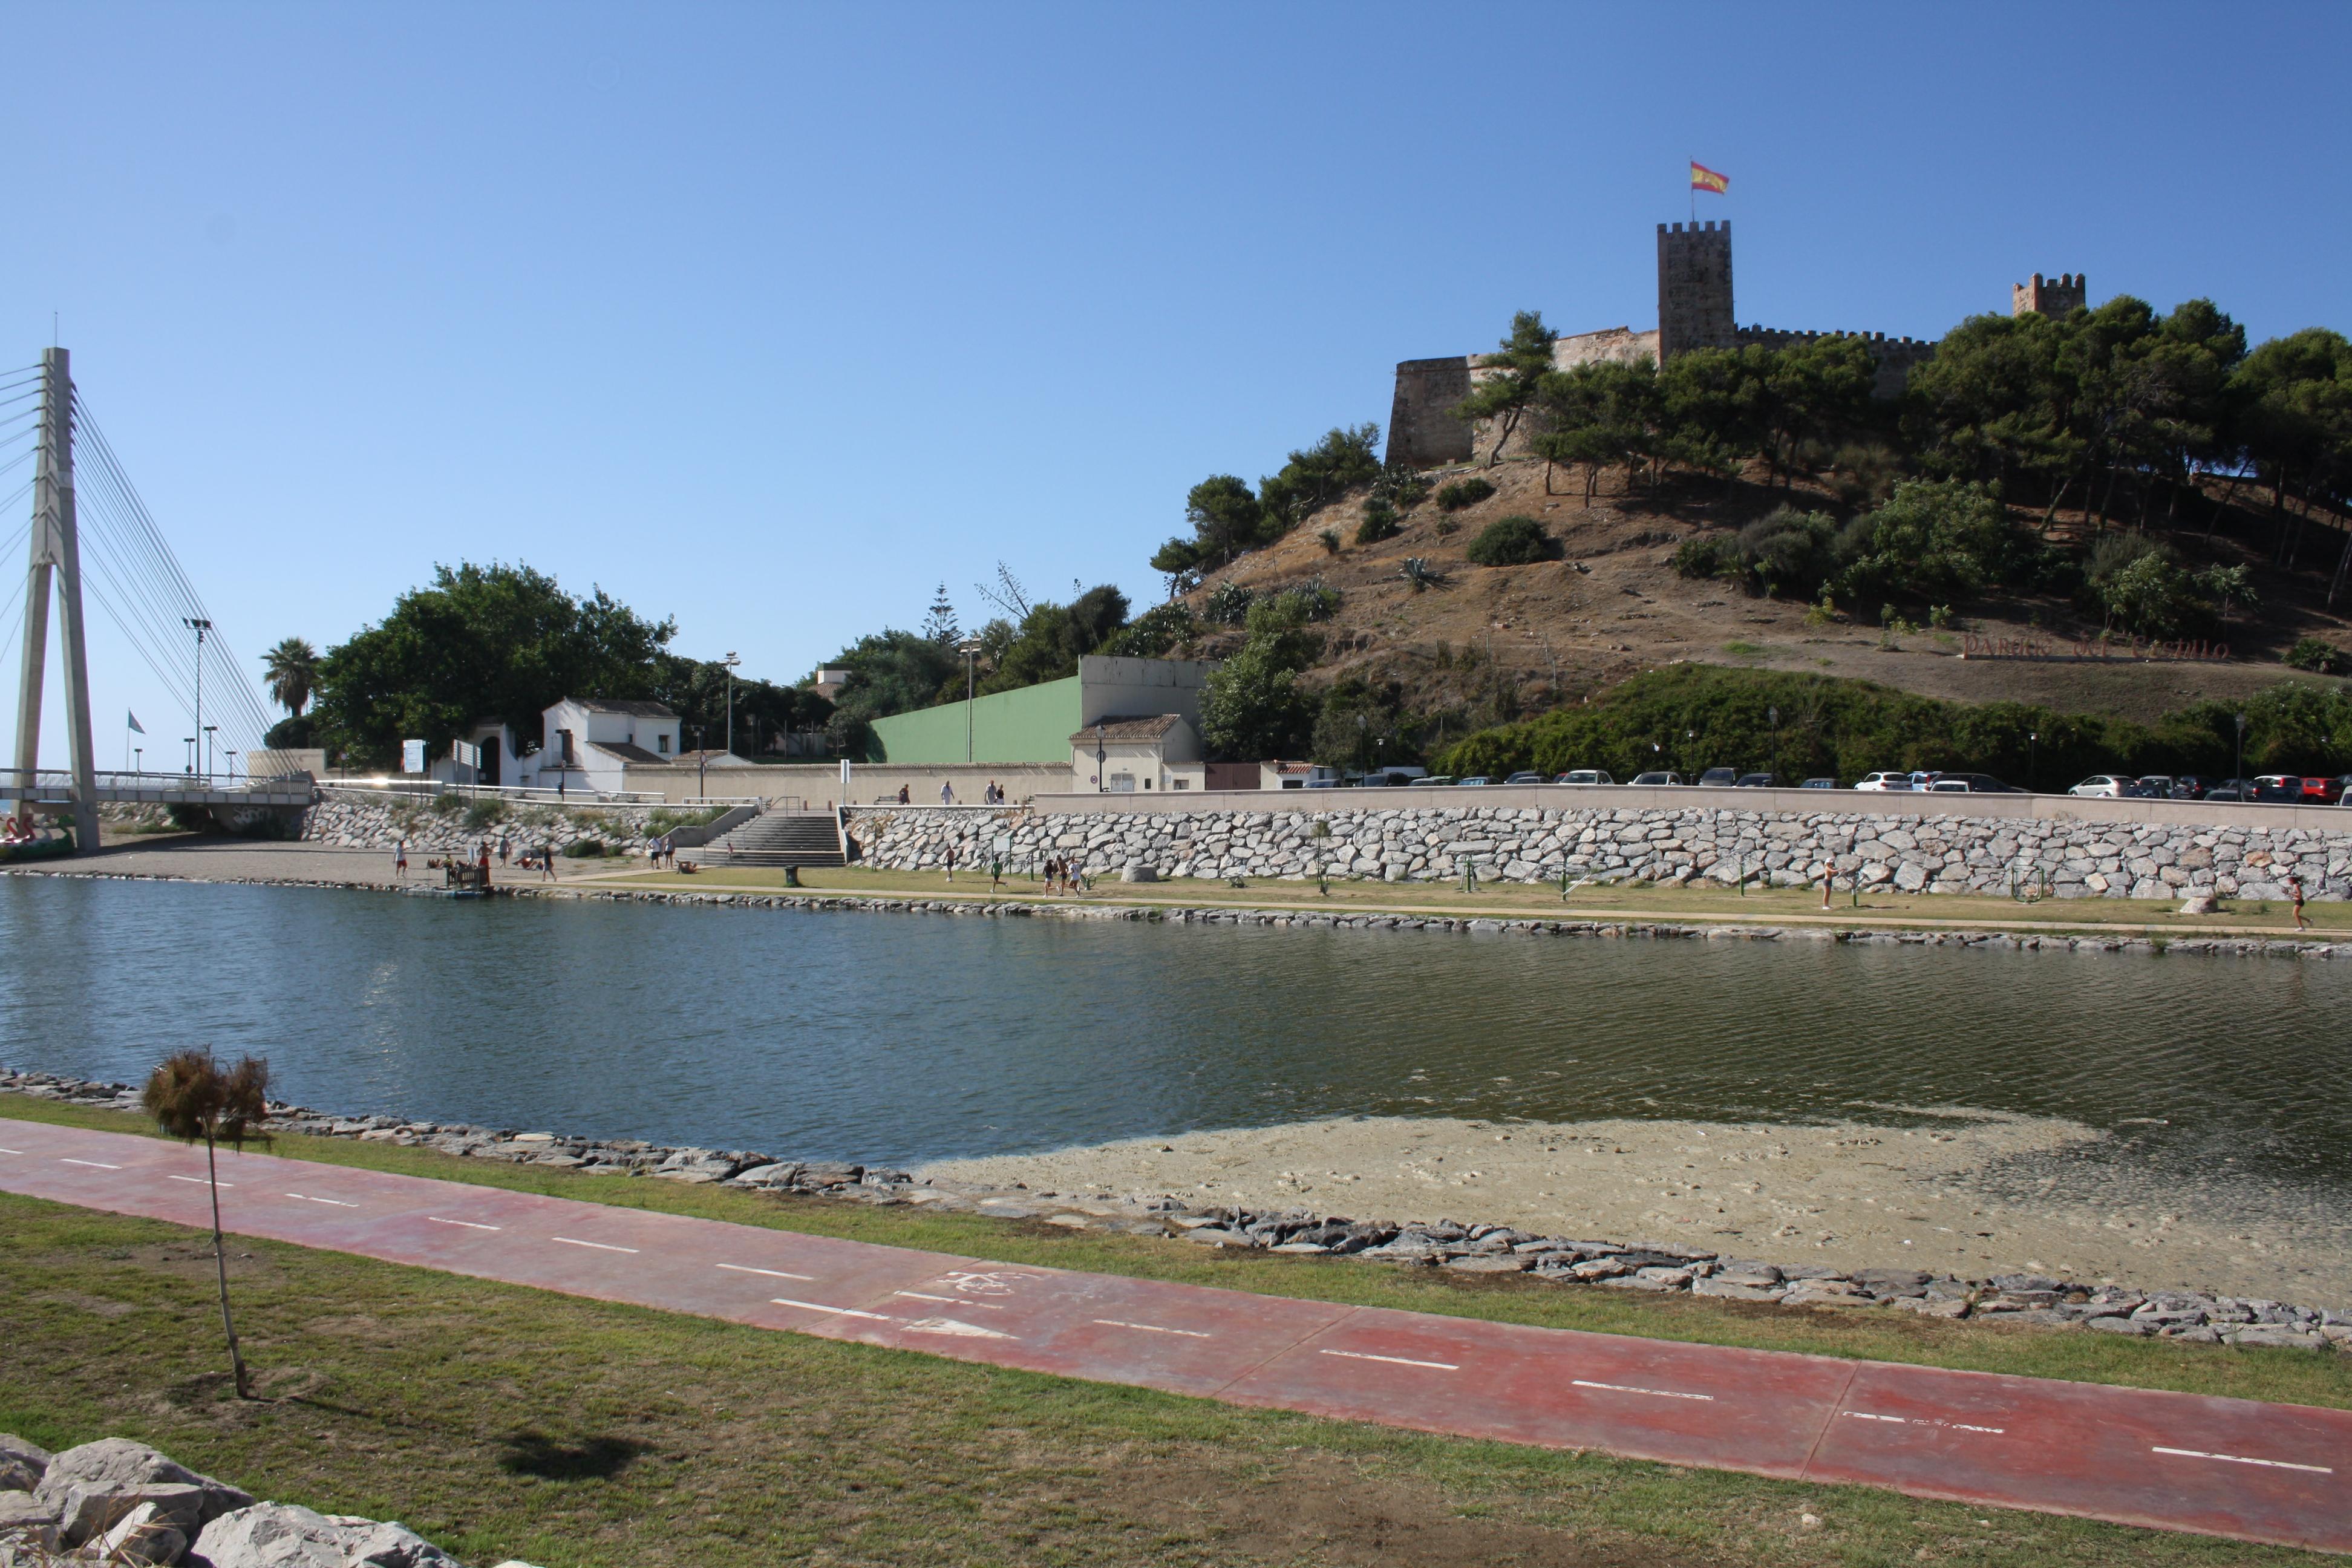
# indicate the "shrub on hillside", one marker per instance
pixel 2318 655
pixel 1379 522
pixel 1402 488
pixel 1462 493
pixel 1512 541
pixel 1330 538
pixel 1934 539
pixel 1227 605
pixel 1703 555
pixel 1154 633
pixel 584 849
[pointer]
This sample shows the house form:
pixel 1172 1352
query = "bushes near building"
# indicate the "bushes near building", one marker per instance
pixel 1512 541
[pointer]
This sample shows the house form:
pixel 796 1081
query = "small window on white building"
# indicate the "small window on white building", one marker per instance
pixel 1122 784
pixel 1180 783
pixel 661 742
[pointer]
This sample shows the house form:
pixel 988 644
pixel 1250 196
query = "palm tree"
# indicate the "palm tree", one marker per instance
pixel 292 668
pixel 190 1097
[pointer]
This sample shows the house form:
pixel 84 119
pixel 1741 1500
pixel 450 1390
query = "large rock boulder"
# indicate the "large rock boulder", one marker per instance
pixel 92 1489
pixel 24 1520
pixel 146 1534
pixel 280 1535
pixel 22 1464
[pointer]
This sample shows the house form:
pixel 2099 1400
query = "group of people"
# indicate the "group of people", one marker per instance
pixel 541 858
pixel 993 794
pixel 662 851
pixel 1065 876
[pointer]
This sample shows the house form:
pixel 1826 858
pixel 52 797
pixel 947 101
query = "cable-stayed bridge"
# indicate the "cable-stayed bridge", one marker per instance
pixel 91 540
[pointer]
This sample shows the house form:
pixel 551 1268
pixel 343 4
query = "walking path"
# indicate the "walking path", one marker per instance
pixel 2274 1473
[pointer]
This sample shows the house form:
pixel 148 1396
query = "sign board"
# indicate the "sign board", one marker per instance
pixel 465 755
pixel 412 756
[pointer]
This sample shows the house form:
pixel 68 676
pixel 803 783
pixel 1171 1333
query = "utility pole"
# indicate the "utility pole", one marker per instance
pixel 56 559
pixel 730 661
pixel 970 648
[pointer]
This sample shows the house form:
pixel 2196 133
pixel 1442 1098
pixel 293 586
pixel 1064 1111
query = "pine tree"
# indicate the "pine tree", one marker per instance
pixel 939 622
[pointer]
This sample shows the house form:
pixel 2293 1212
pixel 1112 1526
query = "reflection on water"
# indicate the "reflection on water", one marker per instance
pixel 910 1038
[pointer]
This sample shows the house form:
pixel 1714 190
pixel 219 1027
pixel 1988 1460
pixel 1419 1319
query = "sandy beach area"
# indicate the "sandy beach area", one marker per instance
pixel 1974 1193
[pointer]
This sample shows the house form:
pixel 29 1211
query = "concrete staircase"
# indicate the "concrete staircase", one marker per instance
pixel 795 838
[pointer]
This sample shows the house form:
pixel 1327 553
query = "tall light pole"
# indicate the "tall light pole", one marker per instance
pixel 730 661
pixel 200 626
pixel 208 730
pixel 1773 713
pixel 2034 760
pixel 2241 746
pixel 970 648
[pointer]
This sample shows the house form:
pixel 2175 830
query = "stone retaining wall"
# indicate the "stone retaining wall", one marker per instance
pixel 1916 853
pixel 353 820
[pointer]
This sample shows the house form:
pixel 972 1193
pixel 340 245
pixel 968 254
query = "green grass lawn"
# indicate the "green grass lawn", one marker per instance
pixel 1884 906
pixel 502 1421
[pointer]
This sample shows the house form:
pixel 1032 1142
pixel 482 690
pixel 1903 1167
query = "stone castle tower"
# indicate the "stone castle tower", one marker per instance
pixel 1695 288
pixel 2059 296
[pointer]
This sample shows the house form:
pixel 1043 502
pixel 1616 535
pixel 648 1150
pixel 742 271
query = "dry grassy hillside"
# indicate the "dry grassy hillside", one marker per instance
pixel 1493 643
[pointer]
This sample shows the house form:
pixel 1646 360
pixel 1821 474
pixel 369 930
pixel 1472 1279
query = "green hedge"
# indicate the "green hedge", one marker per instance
pixel 1848 728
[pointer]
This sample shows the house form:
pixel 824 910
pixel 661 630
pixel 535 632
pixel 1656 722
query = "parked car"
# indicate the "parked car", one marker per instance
pixel 1658 778
pixel 2322 791
pixel 2231 789
pixel 1979 784
pixel 1885 781
pixel 1819 783
pixel 1585 776
pixel 1757 781
pixel 2286 789
pixel 2156 786
pixel 1434 779
pixel 2108 786
pixel 2191 786
pixel 1720 778
pixel 1953 784
pixel 1477 780
pixel 1395 776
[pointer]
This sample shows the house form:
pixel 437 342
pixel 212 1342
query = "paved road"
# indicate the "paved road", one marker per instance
pixel 2224 1467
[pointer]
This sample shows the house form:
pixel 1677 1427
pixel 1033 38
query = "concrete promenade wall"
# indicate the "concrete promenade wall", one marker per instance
pixel 1431 836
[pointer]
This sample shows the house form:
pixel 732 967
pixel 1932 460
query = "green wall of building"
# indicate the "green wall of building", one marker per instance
pixel 1031 725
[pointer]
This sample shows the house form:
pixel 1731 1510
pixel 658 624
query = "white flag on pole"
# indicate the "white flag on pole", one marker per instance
pixel 136 727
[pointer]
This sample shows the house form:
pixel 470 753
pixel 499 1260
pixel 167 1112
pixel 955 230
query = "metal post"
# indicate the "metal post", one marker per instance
pixel 730 661
pixel 56 559
pixel 200 626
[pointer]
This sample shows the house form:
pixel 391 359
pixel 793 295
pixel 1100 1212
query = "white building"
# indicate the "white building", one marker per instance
pixel 1153 752
pixel 591 743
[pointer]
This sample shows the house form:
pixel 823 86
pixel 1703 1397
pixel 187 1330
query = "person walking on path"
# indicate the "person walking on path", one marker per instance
pixel 903 797
pixel 951 862
pixel 995 872
pixel 547 862
pixel 1829 880
pixel 503 849
pixel 400 860
pixel 2294 891
pixel 947 792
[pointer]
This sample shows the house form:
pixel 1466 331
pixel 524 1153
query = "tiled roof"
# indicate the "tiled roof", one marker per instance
pixel 1130 727
pixel 626 752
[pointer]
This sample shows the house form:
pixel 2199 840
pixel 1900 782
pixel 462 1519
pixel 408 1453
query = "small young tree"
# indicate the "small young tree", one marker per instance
pixel 191 1097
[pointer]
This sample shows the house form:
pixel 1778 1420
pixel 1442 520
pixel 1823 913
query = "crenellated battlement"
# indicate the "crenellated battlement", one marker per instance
pixel 2059 296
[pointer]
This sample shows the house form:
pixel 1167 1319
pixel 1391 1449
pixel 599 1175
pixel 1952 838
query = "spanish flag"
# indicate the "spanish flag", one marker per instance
pixel 1706 179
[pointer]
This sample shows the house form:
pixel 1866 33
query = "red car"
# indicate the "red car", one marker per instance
pixel 2322 791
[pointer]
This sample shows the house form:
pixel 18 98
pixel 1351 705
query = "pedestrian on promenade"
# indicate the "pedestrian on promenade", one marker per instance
pixel 951 862
pixel 902 794
pixel 995 872
pixel 1829 880
pixel 947 792
pixel 400 859
pixel 2294 891
pixel 547 862
pixel 503 849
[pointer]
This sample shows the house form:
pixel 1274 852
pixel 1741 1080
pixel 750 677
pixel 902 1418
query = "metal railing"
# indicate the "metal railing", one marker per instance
pixel 59 783
pixel 529 793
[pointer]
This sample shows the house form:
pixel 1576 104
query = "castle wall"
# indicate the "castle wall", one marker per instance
pixel 1895 357
pixel 2059 296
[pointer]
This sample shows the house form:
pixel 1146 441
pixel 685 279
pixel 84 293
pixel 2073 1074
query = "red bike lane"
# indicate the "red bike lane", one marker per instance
pixel 2234 1468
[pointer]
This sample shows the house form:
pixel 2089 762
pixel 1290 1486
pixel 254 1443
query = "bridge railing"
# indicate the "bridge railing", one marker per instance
pixel 57 783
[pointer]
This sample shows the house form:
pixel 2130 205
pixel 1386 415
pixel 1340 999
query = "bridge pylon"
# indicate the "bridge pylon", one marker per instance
pixel 56 564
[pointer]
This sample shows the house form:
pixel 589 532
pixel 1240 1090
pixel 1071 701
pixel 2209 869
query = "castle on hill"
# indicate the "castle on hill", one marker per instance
pixel 1694 313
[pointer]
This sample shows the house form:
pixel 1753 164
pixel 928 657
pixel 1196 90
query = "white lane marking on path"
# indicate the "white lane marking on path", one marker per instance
pixel 1924 1421
pixel 1188 1333
pixel 199 1181
pixel 771 1273
pixel 1629 1388
pixel 469 1224
pixel 841 1311
pixel 308 1199
pixel 1393 1360
pixel 951 1326
pixel 95 1165
pixel 599 1246
pixel 951 1301
pixel 2243 1460
pixel 11 1151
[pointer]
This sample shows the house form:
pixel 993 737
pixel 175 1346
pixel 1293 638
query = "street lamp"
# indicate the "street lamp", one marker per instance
pixel 2242 747
pixel 1102 761
pixel 208 730
pixel 199 625
pixel 970 648
pixel 190 741
pixel 730 661
pixel 232 762
pixel 1773 713
pixel 2033 758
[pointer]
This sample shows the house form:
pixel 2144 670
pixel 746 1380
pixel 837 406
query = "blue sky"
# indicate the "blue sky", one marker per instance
pixel 773 318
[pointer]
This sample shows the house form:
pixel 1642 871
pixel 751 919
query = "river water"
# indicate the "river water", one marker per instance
pixel 905 1037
